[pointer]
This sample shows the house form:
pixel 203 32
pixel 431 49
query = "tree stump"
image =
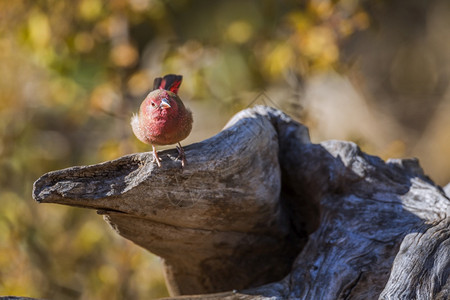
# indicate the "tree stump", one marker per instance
pixel 261 212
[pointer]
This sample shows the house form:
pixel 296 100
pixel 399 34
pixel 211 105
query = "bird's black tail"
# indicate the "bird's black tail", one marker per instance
pixel 170 82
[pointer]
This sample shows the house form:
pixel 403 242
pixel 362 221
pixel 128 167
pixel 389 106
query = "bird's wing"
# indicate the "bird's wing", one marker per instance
pixel 170 82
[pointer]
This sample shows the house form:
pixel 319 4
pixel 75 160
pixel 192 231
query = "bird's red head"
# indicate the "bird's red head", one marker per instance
pixel 163 101
pixel 160 104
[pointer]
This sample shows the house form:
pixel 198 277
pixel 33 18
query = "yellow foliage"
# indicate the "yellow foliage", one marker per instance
pixel 73 72
pixel 108 274
pixel 84 42
pixel 239 31
pixel 124 55
pixel 138 84
pixel 39 29
pixel 90 9
pixel 279 59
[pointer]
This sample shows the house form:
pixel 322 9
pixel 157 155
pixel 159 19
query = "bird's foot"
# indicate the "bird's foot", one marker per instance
pixel 156 158
pixel 181 155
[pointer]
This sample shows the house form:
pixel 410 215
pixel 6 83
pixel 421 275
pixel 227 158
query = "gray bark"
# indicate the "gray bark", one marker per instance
pixel 261 212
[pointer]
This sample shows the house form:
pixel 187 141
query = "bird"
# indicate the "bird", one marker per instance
pixel 162 118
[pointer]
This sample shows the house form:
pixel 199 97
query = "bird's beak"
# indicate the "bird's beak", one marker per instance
pixel 164 103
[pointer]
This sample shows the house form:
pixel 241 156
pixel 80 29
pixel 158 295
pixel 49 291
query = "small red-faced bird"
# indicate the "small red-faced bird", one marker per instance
pixel 163 119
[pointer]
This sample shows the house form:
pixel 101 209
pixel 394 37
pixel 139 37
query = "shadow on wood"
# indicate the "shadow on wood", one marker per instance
pixel 258 203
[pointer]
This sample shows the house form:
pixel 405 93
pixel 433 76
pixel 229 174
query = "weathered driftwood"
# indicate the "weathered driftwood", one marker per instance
pixel 259 204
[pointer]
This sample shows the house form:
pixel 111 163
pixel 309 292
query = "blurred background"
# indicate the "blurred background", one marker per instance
pixel 72 73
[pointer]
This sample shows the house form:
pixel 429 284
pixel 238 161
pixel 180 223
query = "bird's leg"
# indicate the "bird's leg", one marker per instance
pixel 181 155
pixel 156 157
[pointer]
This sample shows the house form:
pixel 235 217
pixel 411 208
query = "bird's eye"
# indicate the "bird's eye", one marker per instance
pixel 153 104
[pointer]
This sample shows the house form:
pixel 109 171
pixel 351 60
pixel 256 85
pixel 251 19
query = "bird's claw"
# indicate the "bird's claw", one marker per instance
pixel 156 158
pixel 181 155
